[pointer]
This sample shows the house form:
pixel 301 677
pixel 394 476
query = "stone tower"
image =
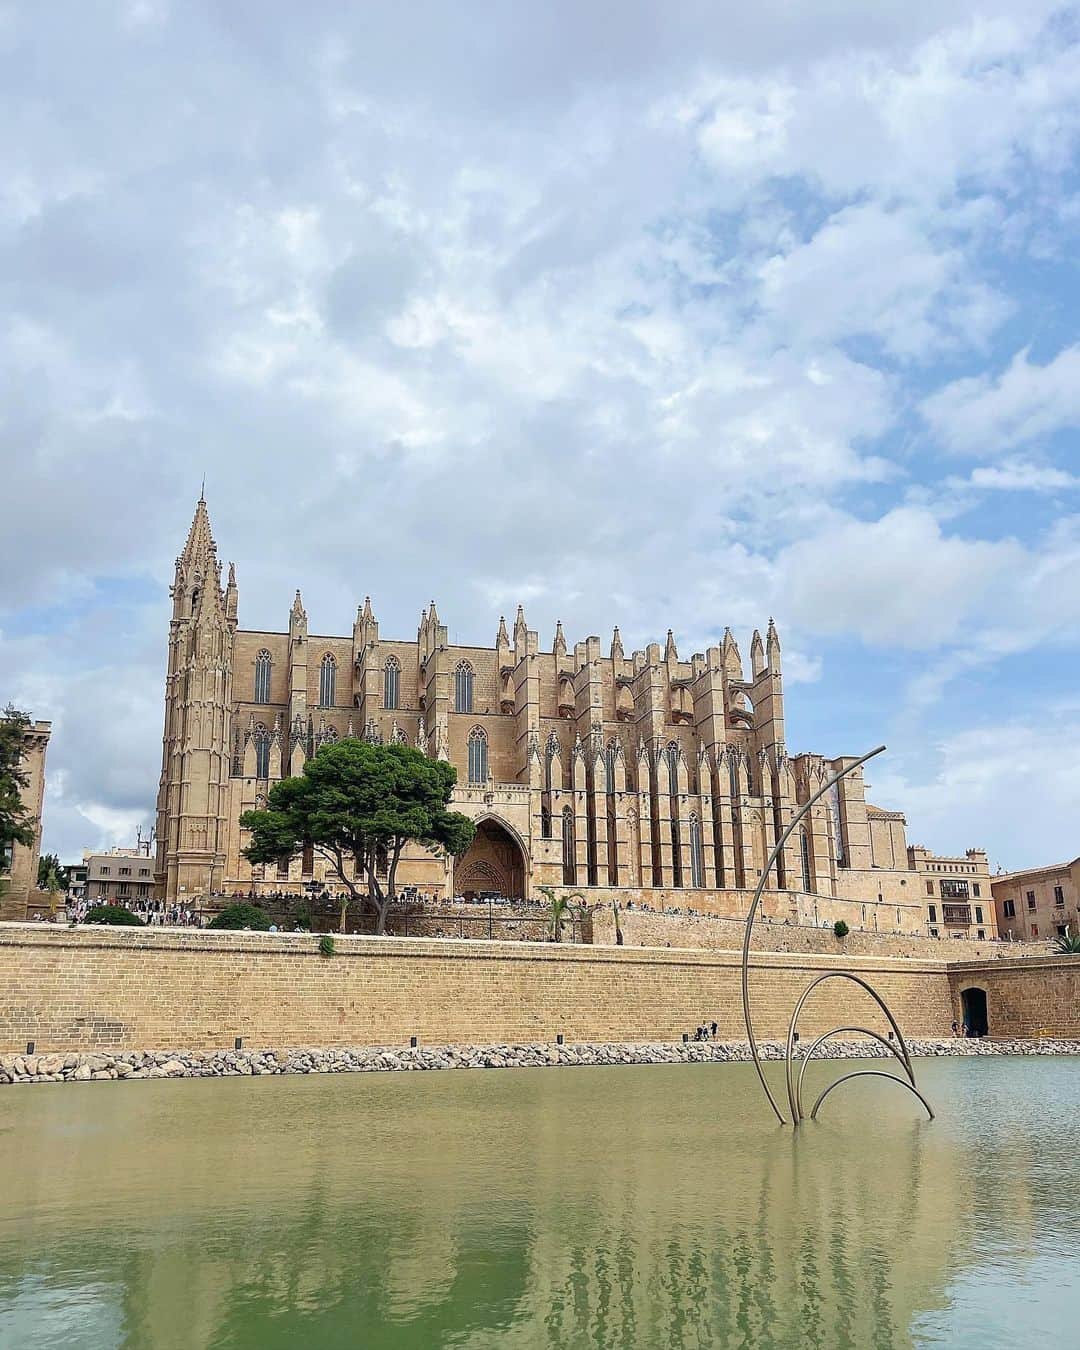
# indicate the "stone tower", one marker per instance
pixel 193 796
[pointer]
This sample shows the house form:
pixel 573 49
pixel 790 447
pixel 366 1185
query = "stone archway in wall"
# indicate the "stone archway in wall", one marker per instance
pixel 495 861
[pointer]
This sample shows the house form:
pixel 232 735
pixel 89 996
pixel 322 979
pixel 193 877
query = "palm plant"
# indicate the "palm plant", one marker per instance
pixel 1068 944
pixel 561 908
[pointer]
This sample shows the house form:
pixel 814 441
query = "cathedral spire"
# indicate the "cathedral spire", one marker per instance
pixel 616 645
pixel 757 655
pixel 732 659
pixel 200 544
pixel 298 607
pixel 367 611
pixel 559 645
pixel 520 627
pixel 231 594
pixel 670 651
pixel 772 648
pixel 502 638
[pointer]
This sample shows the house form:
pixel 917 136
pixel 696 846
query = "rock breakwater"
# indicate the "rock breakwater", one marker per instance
pixel 105 1066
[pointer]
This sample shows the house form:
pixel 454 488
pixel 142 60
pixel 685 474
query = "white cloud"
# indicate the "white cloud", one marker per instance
pixel 983 778
pixel 1022 475
pixel 897 580
pixel 984 414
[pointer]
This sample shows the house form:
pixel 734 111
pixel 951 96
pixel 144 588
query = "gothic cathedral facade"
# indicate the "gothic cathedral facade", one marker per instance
pixel 640 778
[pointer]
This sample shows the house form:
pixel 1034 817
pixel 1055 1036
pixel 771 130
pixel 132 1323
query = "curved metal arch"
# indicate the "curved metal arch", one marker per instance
pixel 905 1057
pixel 873 1073
pixel 753 912
pixel 828 1035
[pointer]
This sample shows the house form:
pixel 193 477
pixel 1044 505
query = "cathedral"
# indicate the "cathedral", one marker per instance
pixel 642 778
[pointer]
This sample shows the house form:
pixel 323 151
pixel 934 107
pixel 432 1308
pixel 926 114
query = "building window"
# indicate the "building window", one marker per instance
pixel 144 871
pixel 975 889
pixel 478 756
pixel 697 853
pixel 124 887
pixel 978 914
pixel 929 888
pixel 569 861
pixel 981 934
pixel 104 871
pixel 954 890
pixel 125 871
pixel 262 677
pixel 327 680
pixel 1034 930
pixel 1059 896
pixel 933 913
pixel 1031 900
pixel 391 682
pixel 262 751
pixel 804 848
pixel 545 822
pixel 1009 909
pixel 463 688
pixel 933 932
pixel 1063 930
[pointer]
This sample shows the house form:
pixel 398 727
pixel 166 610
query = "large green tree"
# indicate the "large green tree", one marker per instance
pixel 52 875
pixel 360 801
pixel 16 822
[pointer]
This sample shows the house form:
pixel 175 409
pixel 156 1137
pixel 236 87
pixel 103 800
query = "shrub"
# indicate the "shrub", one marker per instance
pixel 1068 944
pixel 114 914
pixel 840 928
pixel 302 916
pixel 326 945
pixel 242 916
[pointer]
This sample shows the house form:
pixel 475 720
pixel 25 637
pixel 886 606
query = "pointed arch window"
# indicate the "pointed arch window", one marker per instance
pixel 697 852
pixel 263 665
pixel 463 688
pixel 262 751
pixel 804 849
pixel 327 680
pixel 672 756
pixel 569 860
pixel 478 756
pixel 611 755
pixel 391 682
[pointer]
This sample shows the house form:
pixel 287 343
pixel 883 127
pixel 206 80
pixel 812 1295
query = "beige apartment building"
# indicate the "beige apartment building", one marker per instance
pixel 18 870
pixel 635 775
pixel 957 893
pixel 1038 903
pixel 119 876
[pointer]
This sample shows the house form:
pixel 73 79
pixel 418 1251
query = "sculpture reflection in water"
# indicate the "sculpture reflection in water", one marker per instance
pixel 794 1084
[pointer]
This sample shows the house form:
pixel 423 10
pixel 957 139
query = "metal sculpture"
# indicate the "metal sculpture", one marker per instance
pixel 794 1087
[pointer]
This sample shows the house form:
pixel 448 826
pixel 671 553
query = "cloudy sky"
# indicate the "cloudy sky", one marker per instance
pixel 658 314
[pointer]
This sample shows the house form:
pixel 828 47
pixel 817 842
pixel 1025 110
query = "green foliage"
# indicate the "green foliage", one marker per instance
pixel 302 916
pixel 114 914
pixel 362 801
pixel 242 916
pixel 561 908
pixel 1068 944
pixel 326 945
pixel 840 928
pixel 16 822
pixel 51 874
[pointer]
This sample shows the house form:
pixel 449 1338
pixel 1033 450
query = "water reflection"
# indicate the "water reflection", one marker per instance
pixel 577 1208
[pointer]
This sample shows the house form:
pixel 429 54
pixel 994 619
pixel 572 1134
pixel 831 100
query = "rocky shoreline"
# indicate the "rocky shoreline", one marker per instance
pixel 108 1066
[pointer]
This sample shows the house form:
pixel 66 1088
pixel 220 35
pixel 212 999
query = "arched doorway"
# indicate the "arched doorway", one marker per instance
pixel 494 864
pixel 973 1010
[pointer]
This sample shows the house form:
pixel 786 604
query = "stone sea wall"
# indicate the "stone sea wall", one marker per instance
pixel 72 991
pixel 136 1065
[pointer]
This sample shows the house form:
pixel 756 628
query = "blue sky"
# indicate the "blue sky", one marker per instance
pixel 636 314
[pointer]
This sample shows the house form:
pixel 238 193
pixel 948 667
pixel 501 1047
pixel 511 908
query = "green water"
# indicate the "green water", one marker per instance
pixel 630 1207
